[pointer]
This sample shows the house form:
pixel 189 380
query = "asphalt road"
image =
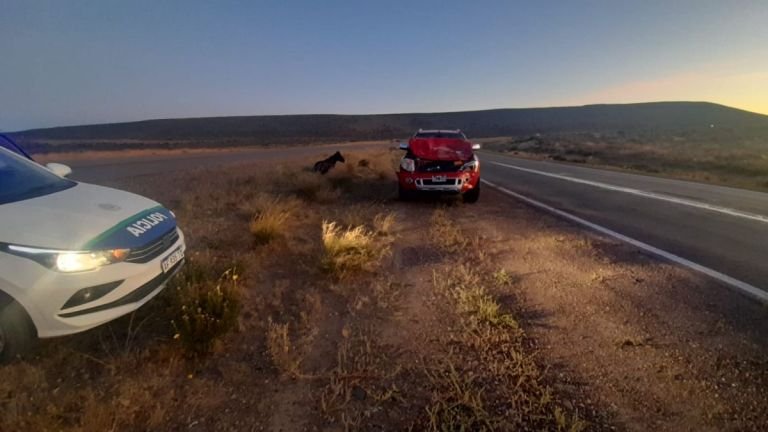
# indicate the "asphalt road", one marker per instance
pixel 724 229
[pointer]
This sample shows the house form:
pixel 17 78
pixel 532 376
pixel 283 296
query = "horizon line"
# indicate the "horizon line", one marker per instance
pixel 383 113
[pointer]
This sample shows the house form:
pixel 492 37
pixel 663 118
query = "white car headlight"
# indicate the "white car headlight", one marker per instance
pixel 408 164
pixel 70 261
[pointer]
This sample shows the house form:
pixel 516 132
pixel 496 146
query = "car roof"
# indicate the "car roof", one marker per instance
pixel 7 143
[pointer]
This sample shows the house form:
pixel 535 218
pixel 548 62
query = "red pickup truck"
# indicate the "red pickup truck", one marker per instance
pixel 439 161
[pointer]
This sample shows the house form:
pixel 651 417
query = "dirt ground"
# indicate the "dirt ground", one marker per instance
pixel 657 347
pixel 489 316
pixel 97 155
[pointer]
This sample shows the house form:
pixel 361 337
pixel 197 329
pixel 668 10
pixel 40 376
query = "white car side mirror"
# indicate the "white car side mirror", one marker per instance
pixel 403 145
pixel 60 170
pixel 475 146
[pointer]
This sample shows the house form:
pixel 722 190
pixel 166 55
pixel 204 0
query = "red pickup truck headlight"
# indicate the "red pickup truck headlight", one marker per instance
pixel 408 164
pixel 471 166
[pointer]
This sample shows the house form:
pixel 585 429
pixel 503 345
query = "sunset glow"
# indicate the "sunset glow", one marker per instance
pixel 93 62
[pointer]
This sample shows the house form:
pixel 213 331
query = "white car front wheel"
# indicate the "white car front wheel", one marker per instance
pixel 17 333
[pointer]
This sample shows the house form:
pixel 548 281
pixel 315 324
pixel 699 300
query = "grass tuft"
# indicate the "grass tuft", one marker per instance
pixel 349 249
pixel 281 350
pixel 502 278
pixel 384 222
pixel 472 298
pixel 205 308
pixel 271 218
pixel 445 233
pixel 490 337
pixel 457 403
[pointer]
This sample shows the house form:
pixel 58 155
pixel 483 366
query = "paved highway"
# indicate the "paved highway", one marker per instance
pixel 721 228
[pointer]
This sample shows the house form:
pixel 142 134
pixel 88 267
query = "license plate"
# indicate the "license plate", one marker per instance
pixel 438 179
pixel 172 259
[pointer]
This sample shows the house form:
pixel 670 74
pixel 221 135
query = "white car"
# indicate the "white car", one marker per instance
pixel 74 255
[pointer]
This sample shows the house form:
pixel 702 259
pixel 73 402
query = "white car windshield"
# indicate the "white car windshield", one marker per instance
pixel 22 179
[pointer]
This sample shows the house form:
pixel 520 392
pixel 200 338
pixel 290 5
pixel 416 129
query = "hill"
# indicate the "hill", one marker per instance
pixel 658 117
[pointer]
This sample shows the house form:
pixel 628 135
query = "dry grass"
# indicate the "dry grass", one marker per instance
pixel 470 397
pixel 364 376
pixel 380 222
pixel 457 403
pixel 384 222
pixel 372 182
pixel 353 215
pixel 316 350
pixel 57 156
pixel 380 164
pixel 492 338
pixel 272 217
pixel 714 156
pixel 204 308
pixel 466 288
pixel 309 186
pixel 502 278
pixel 350 249
pixel 129 405
pixel 387 295
pixel 445 233
pixel 281 350
pixel 111 383
pixel 379 299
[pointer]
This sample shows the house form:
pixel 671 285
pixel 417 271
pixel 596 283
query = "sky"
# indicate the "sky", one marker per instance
pixel 83 62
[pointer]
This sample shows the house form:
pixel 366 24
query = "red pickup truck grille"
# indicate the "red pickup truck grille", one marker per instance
pixel 423 165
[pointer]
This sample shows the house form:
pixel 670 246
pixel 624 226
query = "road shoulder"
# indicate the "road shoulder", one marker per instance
pixel 658 347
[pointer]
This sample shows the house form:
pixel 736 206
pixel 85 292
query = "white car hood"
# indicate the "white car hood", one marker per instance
pixel 69 219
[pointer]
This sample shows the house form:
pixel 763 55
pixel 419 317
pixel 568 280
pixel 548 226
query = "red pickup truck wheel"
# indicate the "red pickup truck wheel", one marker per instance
pixel 471 196
pixel 404 194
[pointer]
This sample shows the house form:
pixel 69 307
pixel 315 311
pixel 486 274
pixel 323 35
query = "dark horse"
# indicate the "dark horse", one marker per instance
pixel 325 165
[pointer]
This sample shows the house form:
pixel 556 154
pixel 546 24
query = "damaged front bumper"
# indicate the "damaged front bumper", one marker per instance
pixel 429 182
pixel 442 185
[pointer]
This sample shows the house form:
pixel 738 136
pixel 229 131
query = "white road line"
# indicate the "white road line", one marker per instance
pixel 654 195
pixel 748 289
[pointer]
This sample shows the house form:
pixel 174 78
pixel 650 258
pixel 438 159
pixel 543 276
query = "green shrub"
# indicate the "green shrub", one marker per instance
pixel 205 307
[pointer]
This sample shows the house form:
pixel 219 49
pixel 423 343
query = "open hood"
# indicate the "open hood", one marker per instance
pixel 447 149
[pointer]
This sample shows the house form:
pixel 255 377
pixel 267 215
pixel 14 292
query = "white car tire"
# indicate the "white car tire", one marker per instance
pixel 17 333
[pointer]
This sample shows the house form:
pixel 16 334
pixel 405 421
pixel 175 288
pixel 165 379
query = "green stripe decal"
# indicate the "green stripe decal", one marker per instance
pixel 120 226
